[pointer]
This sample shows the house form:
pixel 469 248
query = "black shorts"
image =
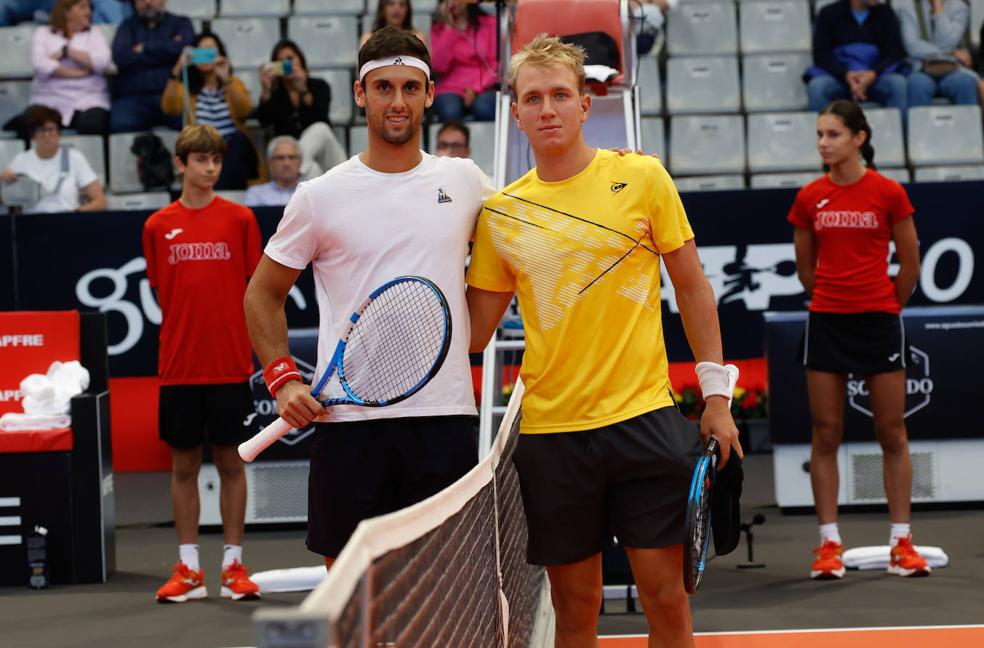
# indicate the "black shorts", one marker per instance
pixel 367 468
pixel 629 479
pixel 189 415
pixel 858 343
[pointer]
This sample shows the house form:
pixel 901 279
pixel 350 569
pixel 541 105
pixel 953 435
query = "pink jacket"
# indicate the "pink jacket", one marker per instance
pixel 464 60
pixel 64 94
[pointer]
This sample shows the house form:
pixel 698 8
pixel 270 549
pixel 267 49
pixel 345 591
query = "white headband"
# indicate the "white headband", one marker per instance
pixel 410 61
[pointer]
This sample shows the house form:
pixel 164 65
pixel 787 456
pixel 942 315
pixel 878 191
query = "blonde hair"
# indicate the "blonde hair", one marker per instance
pixel 546 51
pixel 199 138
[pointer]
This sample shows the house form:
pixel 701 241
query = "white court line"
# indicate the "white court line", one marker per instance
pixel 802 631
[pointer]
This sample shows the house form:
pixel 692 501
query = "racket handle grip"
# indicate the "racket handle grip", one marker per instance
pixel 263 439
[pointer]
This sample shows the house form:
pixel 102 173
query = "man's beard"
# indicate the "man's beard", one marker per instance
pixel 151 15
pixel 398 138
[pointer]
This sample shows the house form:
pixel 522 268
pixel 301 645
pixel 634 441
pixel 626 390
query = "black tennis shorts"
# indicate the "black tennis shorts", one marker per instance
pixel 629 479
pixel 367 468
pixel 859 343
pixel 190 415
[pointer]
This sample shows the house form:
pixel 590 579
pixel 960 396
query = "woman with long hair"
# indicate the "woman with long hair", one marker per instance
pixel 465 59
pixel 398 13
pixel 295 104
pixel 217 97
pixel 845 222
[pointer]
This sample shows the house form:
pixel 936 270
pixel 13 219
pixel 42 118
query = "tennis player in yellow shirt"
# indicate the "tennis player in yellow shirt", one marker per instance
pixel 603 451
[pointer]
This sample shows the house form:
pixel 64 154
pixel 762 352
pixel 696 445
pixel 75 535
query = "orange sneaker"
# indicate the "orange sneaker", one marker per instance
pixel 236 583
pixel 906 561
pixel 184 585
pixel 828 564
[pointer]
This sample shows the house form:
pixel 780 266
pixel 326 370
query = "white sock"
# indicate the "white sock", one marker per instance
pixel 231 554
pixel 188 554
pixel 899 530
pixel 830 532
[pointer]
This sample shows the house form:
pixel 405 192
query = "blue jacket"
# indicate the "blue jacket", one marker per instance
pixel 147 73
pixel 836 31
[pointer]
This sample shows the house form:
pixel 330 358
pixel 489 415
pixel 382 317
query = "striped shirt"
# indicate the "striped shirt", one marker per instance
pixel 211 108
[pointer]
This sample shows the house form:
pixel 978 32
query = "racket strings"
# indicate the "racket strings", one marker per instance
pixel 395 342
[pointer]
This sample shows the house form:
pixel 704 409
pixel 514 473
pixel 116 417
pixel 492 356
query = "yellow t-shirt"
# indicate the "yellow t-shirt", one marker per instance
pixel 583 255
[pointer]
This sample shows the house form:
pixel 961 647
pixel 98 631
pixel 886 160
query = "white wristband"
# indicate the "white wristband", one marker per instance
pixel 717 380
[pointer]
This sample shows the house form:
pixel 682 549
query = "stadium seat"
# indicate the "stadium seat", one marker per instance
pixel 327 41
pixel 138 201
pixel 899 175
pixel 255 8
pixel 774 26
pixel 945 135
pixel 887 138
pixel 702 28
pixel 342 106
pixel 481 141
pixel 710 183
pixel 358 139
pixel 15 43
pixel 419 6
pixel 109 32
pixel 775 180
pixel 707 144
pixel 702 84
pixel 251 79
pixel 773 82
pixel 317 7
pixel 235 196
pixel 9 148
pixel 653 137
pixel 950 173
pixel 91 146
pixel 248 41
pixel 123 176
pixel 202 9
pixel 14 96
pixel 782 142
pixel 650 87
pixel 976 19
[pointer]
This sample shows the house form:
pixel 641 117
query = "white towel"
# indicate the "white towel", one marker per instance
pixel 877 557
pixel 599 73
pixel 295 579
pixel 17 422
pixel 51 393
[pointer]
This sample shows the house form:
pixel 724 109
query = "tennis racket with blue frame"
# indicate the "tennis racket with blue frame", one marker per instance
pixel 395 343
pixel 698 523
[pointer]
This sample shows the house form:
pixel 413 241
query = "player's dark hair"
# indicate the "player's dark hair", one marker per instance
pixel 392 41
pixel 456 125
pixel 853 118
pixel 380 20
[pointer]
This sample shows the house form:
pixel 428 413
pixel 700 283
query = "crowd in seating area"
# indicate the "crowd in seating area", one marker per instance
pixel 729 89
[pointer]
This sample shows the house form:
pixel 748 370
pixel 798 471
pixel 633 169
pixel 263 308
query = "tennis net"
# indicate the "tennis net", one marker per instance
pixel 450 571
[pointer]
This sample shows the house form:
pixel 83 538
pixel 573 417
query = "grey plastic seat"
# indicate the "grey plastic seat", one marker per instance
pixel 899 175
pixel 976 19
pixel 702 28
pixel 255 8
pixel 887 138
pixel 342 106
pixel 774 26
pixel 205 9
pixel 15 43
pixel 138 201
pixel 251 79
pixel 91 146
pixel 775 180
pixel 950 173
pixel 773 82
pixel 248 41
pixel 353 7
pixel 14 96
pixel 358 139
pixel 710 183
pixel 945 135
pixel 782 142
pixel 650 87
pixel 327 41
pixel 653 137
pixel 702 84
pixel 481 138
pixel 707 144
pixel 9 148
pixel 123 176
pixel 235 195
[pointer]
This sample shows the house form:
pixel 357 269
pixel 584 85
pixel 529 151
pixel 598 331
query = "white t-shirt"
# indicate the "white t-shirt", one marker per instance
pixel 48 172
pixel 360 228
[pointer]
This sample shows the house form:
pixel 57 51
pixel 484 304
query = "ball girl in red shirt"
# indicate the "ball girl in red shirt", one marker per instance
pixel 845 221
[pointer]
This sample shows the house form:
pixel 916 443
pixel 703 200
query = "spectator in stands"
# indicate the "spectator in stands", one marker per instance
pixel 295 104
pixel 145 49
pixel 13 12
pixel 933 31
pixel 453 140
pixel 398 13
pixel 465 58
pixel 653 24
pixel 857 54
pixel 215 96
pixel 69 58
pixel 284 161
pixel 66 179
